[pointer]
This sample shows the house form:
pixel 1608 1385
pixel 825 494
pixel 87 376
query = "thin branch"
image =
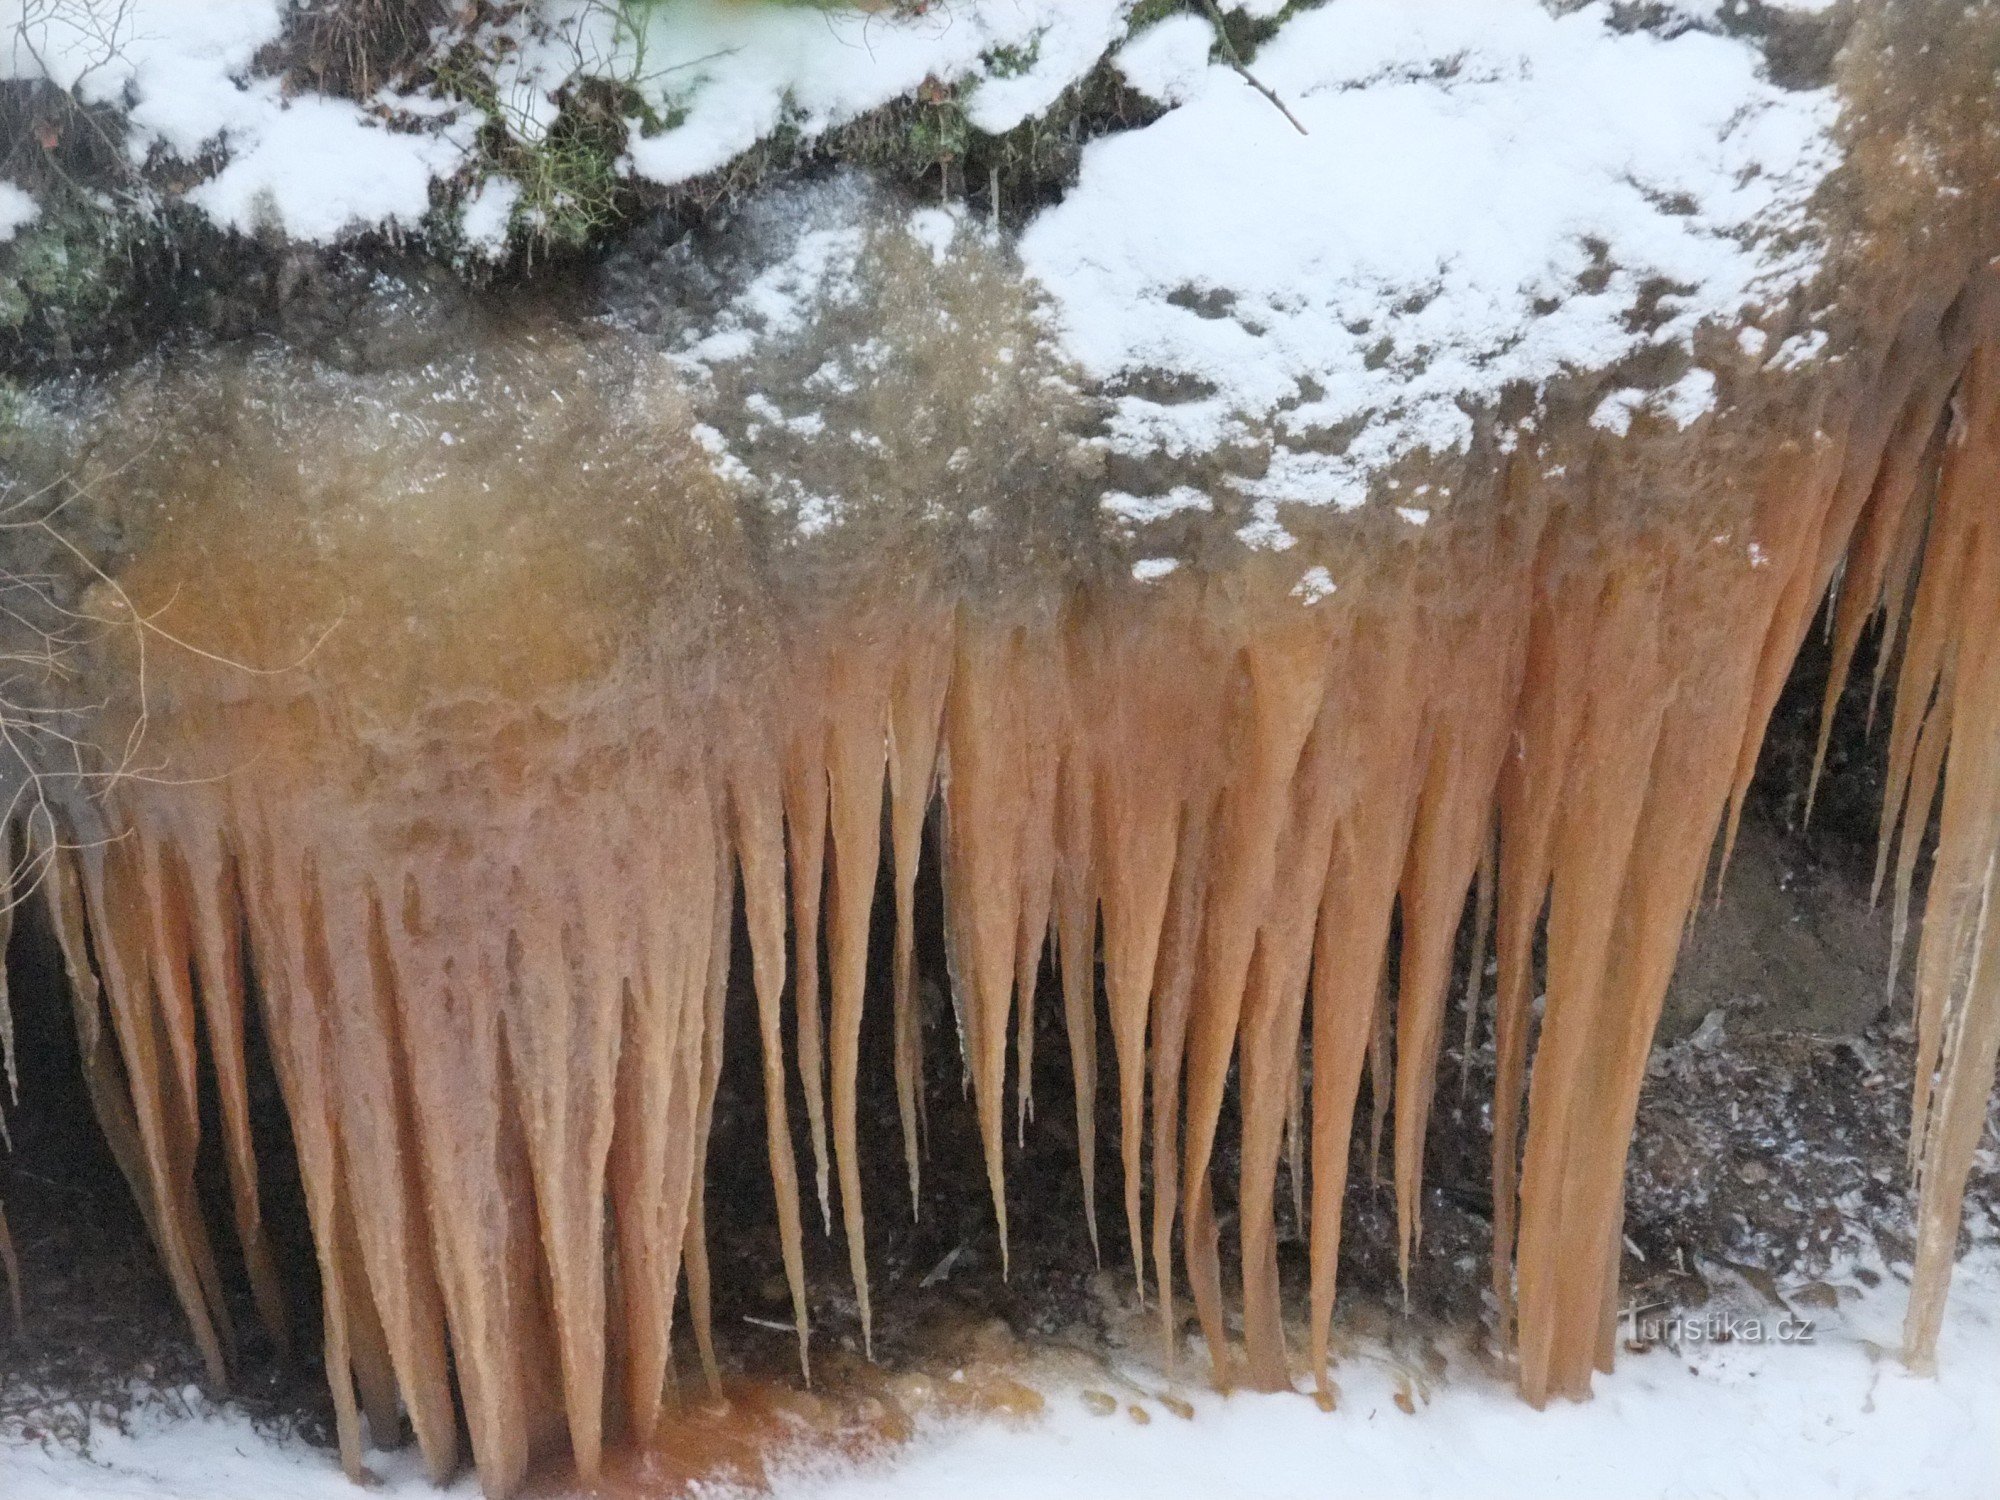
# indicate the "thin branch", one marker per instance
pixel 1231 56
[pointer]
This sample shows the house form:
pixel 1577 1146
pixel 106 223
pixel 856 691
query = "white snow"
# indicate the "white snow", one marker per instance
pixel 315 168
pixel 488 213
pixel 1073 36
pixel 1137 510
pixel 17 210
pixel 310 167
pixel 1167 61
pixel 1485 189
pixel 1838 1417
pixel 725 75
pixel 1471 164
pixel 1314 585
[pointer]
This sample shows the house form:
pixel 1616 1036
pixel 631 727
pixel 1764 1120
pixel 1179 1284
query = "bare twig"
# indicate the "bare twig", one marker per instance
pixel 39 752
pixel 1230 56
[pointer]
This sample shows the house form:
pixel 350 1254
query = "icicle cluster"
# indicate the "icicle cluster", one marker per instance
pixel 468 788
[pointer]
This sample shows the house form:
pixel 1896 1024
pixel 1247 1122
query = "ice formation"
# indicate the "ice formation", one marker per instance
pixel 485 685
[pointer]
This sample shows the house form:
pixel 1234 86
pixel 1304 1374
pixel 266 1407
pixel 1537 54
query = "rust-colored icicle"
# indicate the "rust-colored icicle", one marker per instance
pixel 1273 1012
pixel 1802 544
pixel 299 1055
pixel 805 832
pixel 117 919
pixel 857 747
pixel 1926 771
pixel 1929 700
pixel 1902 569
pixel 1473 706
pixel 916 720
pixel 1076 956
pixel 374 1374
pixel 653 1161
pixel 1283 667
pixel 760 853
pixel 1380 715
pixel 1147 722
pixel 1381 1074
pixel 1475 969
pixel 1179 953
pixel 1533 779
pixel 1911 449
pixel 1002 680
pixel 110 1101
pixel 215 909
pixel 1593 846
pixel 395 1264
pixel 1295 1138
pixel 1926 663
pixel 1958 961
pixel 468 1146
pixel 1037 877
pixel 715 991
pixel 563 1022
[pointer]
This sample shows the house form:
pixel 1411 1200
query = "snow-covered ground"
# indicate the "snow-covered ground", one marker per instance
pixel 1838 1416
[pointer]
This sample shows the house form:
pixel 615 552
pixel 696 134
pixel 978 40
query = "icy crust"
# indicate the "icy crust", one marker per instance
pixel 1486 194
pixel 874 382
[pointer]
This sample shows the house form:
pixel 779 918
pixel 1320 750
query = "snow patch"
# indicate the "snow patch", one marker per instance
pixel 17 210
pixel 1137 510
pixel 316 168
pixel 310 167
pixel 1068 43
pixel 488 215
pixel 1314 585
pixel 1739 1420
pixel 1484 193
pixel 1166 62
pixel 723 75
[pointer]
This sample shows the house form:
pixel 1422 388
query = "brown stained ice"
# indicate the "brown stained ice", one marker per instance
pixel 477 750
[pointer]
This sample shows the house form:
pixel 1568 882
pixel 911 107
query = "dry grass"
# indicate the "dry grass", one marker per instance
pixel 353 47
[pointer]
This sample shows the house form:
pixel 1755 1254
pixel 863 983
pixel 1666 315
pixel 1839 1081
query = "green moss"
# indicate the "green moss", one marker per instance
pixel 1012 62
pixel 60 275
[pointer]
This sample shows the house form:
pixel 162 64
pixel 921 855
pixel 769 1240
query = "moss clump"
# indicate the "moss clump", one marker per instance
pixel 61 275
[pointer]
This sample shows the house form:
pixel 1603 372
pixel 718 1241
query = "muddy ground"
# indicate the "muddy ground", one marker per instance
pixel 1770 1147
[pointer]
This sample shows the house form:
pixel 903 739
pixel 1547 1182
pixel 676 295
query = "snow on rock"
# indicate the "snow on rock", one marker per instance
pixel 488 215
pixel 1061 50
pixel 724 75
pixel 1167 62
pixel 309 167
pixel 17 210
pixel 1484 190
pixel 315 168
